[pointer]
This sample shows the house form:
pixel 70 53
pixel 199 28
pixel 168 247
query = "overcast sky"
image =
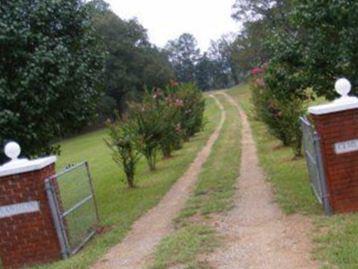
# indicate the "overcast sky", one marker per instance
pixel 167 19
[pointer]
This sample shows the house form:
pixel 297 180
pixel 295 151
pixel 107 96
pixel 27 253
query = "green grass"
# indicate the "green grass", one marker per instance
pixel 119 206
pixel 213 194
pixel 74 187
pixel 182 247
pixel 335 238
pixel 337 241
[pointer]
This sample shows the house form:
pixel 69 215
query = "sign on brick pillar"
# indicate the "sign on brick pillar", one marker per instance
pixel 28 235
pixel 337 126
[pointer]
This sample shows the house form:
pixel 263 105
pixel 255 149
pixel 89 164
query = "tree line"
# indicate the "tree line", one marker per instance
pixel 212 69
pixel 68 64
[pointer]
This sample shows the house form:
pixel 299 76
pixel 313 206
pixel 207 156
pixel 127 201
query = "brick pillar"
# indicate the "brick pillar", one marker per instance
pixel 28 235
pixel 337 126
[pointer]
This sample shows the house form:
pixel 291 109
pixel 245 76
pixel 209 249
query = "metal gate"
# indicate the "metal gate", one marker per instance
pixel 312 150
pixel 73 205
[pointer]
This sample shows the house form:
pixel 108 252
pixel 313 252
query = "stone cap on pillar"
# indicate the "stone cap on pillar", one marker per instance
pixel 345 102
pixel 18 166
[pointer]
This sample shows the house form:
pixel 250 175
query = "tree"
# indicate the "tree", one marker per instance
pixel 132 63
pixel 156 70
pixel 204 73
pixel 272 11
pixel 211 70
pixel 316 46
pixel 50 71
pixel 328 36
pixel 310 45
pixel 262 20
pixel 221 56
pixel 98 6
pixel 184 54
pixel 226 50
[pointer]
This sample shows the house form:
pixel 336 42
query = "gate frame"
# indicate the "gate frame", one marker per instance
pixel 324 199
pixel 58 216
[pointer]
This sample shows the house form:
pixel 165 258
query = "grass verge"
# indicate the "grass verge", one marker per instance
pixel 119 206
pixel 213 194
pixel 335 238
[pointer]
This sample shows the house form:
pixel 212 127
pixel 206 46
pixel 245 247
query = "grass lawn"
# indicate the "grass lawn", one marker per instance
pixel 336 238
pixel 213 194
pixel 119 206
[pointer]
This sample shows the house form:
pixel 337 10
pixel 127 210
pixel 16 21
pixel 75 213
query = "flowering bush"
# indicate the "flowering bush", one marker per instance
pixel 162 121
pixel 168 105
pixel 122 142
pixel 192 109
pixel 256 71
pixel 280 112
pixel 145 118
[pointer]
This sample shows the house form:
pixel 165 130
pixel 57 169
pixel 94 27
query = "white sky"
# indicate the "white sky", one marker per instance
pixel 168 19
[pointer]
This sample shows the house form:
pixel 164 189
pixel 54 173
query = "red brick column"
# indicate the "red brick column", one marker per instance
pixel 337 126
pixel 27 238
pixel 341 169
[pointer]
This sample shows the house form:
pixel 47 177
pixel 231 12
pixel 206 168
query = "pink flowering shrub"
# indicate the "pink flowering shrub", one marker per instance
pixel 192 111
pixel 165 118
pixel 256 71
pixel 281 114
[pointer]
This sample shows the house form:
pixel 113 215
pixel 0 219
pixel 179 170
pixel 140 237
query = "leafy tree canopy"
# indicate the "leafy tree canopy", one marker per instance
pixel 50 71
pixel 210 70
pixel 328 37
pixel 132 62
pixel 184 54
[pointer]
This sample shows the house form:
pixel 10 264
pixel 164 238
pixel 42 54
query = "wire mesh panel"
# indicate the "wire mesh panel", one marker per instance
pixel 73 206
pixel 314 163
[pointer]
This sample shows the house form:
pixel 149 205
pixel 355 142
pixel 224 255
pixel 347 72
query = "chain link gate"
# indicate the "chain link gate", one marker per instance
pixel 73 207
pixel 312 150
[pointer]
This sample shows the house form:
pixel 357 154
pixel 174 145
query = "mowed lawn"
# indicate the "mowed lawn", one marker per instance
pixel 119 206
pixel 335 238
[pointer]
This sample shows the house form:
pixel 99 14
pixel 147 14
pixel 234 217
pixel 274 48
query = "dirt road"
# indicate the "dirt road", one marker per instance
pixel 135 250
pixel 257 233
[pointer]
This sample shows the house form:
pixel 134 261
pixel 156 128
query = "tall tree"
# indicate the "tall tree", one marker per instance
pixel 204 73
pixel 254 10
pixel 132 63
pixel 262 20
pixel 184 54
pixel 220 52
pixel 249 48
pixel 50 70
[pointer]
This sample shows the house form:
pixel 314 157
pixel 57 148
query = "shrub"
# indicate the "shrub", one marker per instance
pixel 122 139
pixel 192 110
pixel 171 137
pixel 281 113
pixel 164 118
pixel 146 118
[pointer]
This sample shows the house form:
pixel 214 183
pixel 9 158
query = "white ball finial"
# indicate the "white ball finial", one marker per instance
pixel 12 150
pixel 343 87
